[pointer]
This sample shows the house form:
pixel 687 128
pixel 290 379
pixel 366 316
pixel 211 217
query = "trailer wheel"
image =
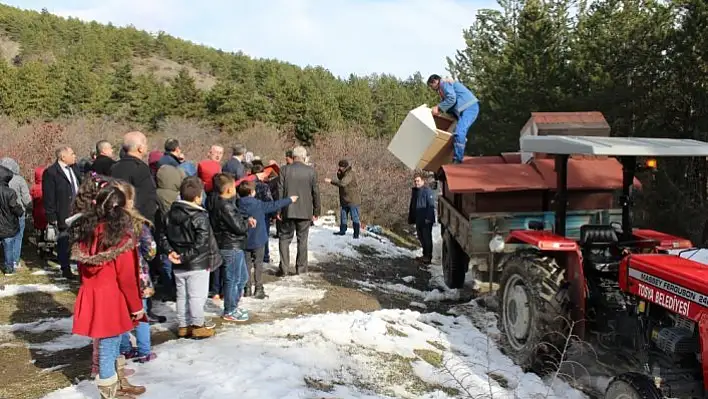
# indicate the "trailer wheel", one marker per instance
pixel 632 386
pixel 455 261
pixel 533 311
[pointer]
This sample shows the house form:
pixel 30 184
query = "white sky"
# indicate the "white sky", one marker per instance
pixel 398 37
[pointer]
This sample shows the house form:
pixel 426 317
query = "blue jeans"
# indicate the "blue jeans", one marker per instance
pixel 108 352
pixel 235 275
pixel 467 118
pixel 352 210
pixel 13 247
pixel 142 336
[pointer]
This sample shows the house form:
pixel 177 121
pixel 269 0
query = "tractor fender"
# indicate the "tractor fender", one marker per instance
pixel 567 253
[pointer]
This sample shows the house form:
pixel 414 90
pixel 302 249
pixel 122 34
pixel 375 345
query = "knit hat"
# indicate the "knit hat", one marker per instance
pixel 343 163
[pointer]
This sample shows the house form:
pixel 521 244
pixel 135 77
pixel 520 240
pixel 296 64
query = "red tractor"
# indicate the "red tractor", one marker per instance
pixel 557 229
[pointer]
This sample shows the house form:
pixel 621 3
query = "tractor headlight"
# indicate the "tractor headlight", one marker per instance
pixel 496 244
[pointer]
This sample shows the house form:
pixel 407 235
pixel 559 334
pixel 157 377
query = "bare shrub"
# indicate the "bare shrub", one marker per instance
pixel 383 181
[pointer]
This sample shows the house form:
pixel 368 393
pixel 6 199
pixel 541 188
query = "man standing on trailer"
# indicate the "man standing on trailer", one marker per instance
pixel 459 101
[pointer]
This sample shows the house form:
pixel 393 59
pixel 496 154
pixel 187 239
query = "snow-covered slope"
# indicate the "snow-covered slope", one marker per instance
pixel 387 353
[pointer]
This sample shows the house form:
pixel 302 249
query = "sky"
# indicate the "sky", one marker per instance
pixel 398 37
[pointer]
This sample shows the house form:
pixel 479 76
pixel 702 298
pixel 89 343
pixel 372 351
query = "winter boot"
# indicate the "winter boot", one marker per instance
pixel 357 228
pixel 201 332
pixel 342 230
pixel 184 332
pixel 260 293
pixel 247 291
pixel 108 388
pixel 124 386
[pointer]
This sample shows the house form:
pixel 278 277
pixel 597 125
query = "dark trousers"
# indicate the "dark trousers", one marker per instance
pixel 425 236
pixel 266 252
pixel 288 229
pixel 63 251
pixel 254 261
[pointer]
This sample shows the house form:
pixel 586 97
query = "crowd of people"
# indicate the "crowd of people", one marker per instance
pixel 174 230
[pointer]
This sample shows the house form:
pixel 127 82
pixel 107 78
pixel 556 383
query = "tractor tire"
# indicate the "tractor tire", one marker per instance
pixel 455 262
pixel 533 311
pixel 632 386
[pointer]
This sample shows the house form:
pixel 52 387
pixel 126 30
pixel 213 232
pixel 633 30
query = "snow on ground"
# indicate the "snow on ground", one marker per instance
pixel 388 353
pixel 60 343
pixel 14 289
pixel 383 354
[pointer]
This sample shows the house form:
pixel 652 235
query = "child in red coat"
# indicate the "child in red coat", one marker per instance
pixel 108 303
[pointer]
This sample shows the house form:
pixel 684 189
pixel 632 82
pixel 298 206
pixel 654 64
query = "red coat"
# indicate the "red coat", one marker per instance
pixel 206 170
pixel 109 289
pixel 39 217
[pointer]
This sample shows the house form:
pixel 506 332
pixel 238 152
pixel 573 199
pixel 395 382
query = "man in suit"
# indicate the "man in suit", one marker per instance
pixel 300 180
pixel 235 164
pixel 60 183
pixel 135 171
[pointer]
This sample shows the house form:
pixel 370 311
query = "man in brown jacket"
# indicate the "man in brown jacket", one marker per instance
pixel 349 197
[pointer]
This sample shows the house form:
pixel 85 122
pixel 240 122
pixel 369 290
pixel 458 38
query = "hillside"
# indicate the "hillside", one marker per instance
pixel 59 67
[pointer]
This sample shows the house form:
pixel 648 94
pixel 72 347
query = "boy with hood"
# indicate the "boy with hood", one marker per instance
pixel 13 245
pixel 10 213
pixel 191 247
pixel 257 236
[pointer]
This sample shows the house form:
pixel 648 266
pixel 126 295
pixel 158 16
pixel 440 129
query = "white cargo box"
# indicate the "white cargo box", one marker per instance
pixel 422 141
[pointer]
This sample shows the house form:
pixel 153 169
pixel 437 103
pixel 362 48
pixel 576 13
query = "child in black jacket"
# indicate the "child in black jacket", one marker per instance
pixel 230 227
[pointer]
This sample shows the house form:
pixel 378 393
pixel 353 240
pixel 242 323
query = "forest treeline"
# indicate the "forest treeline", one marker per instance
pixel 643 63
pixel 66 67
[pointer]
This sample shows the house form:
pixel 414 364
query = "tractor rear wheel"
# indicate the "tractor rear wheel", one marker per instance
pixel 632 386
pixel 455 261
pixel 533 311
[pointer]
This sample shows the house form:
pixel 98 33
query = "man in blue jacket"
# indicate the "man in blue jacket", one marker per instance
pixel 459 101
pixel 422 214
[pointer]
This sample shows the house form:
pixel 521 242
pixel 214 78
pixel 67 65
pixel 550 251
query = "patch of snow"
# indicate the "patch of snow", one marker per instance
pixel 323 245
pixel 342 351
pixel 436 295
pixel 15 289
pixel 283 295
pixel 418 305
pixel 408 279
pixel 55 368
pixel 43 272
pixel 61 343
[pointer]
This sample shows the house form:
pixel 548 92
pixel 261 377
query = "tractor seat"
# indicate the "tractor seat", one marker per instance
pixel 598 243
pixel 597 235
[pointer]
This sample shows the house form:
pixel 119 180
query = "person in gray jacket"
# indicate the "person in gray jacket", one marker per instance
pixel 13 246
pixel 297 179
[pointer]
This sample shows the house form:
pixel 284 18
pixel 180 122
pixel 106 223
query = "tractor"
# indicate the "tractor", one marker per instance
pixel 552 227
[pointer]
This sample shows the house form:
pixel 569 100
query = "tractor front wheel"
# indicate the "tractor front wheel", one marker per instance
pixel 455 261
pixel 533 311
pixel 632 386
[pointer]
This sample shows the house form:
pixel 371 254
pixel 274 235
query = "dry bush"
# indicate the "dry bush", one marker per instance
pixel 33 144
pixel 383 180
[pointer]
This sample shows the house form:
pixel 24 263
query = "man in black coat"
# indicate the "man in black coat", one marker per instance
pixel 297 179
pixel 234 165
pixel 104 158
pixel 60 183
pixel 135 171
